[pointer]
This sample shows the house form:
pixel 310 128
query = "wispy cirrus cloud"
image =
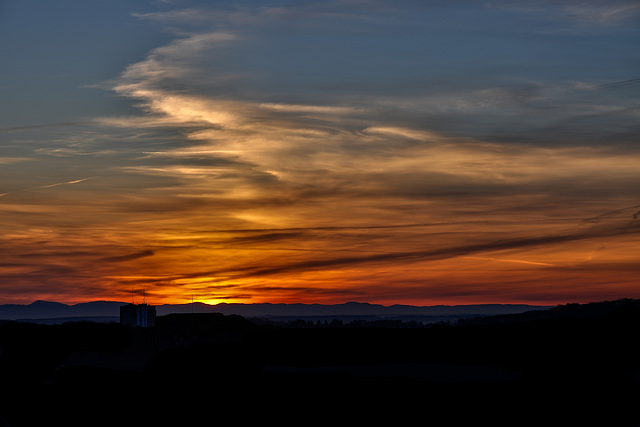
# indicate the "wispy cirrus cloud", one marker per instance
pixel 268 164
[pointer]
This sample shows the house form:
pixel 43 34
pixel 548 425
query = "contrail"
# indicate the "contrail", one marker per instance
pixel 617 211
pixel 51 185
pixel 61 183
pixel 614 84
pixel 520 261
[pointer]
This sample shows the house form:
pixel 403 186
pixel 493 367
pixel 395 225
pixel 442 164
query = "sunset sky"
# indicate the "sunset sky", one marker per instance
pixel 393 152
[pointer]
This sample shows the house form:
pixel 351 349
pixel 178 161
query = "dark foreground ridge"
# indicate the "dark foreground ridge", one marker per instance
pixel 577 364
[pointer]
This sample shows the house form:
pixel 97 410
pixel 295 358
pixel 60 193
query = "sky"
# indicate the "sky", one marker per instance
pixel 391 152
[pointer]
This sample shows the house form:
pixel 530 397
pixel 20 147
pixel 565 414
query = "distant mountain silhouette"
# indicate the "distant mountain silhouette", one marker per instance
pixel 353 309
pixel 55 310
pixel 51 310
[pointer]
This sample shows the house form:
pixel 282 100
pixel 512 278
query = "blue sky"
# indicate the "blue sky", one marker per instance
pixel 367 150
pixel 56 50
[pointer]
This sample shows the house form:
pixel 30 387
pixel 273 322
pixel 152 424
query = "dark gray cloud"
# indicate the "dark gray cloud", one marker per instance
pixel 629 228
pixel 443 253
pixel 129 257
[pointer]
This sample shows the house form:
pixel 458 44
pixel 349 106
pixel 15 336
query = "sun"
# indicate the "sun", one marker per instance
pixel 209 301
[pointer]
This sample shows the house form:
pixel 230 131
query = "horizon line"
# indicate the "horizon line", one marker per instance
pixel 320 304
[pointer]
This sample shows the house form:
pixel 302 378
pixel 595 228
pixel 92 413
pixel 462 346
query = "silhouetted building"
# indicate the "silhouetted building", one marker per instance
pixel 138 315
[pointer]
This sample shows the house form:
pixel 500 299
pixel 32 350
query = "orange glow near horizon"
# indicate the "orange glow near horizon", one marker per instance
pixel 404 265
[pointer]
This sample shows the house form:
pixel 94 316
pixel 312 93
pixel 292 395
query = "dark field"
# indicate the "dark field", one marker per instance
pixel 571 365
